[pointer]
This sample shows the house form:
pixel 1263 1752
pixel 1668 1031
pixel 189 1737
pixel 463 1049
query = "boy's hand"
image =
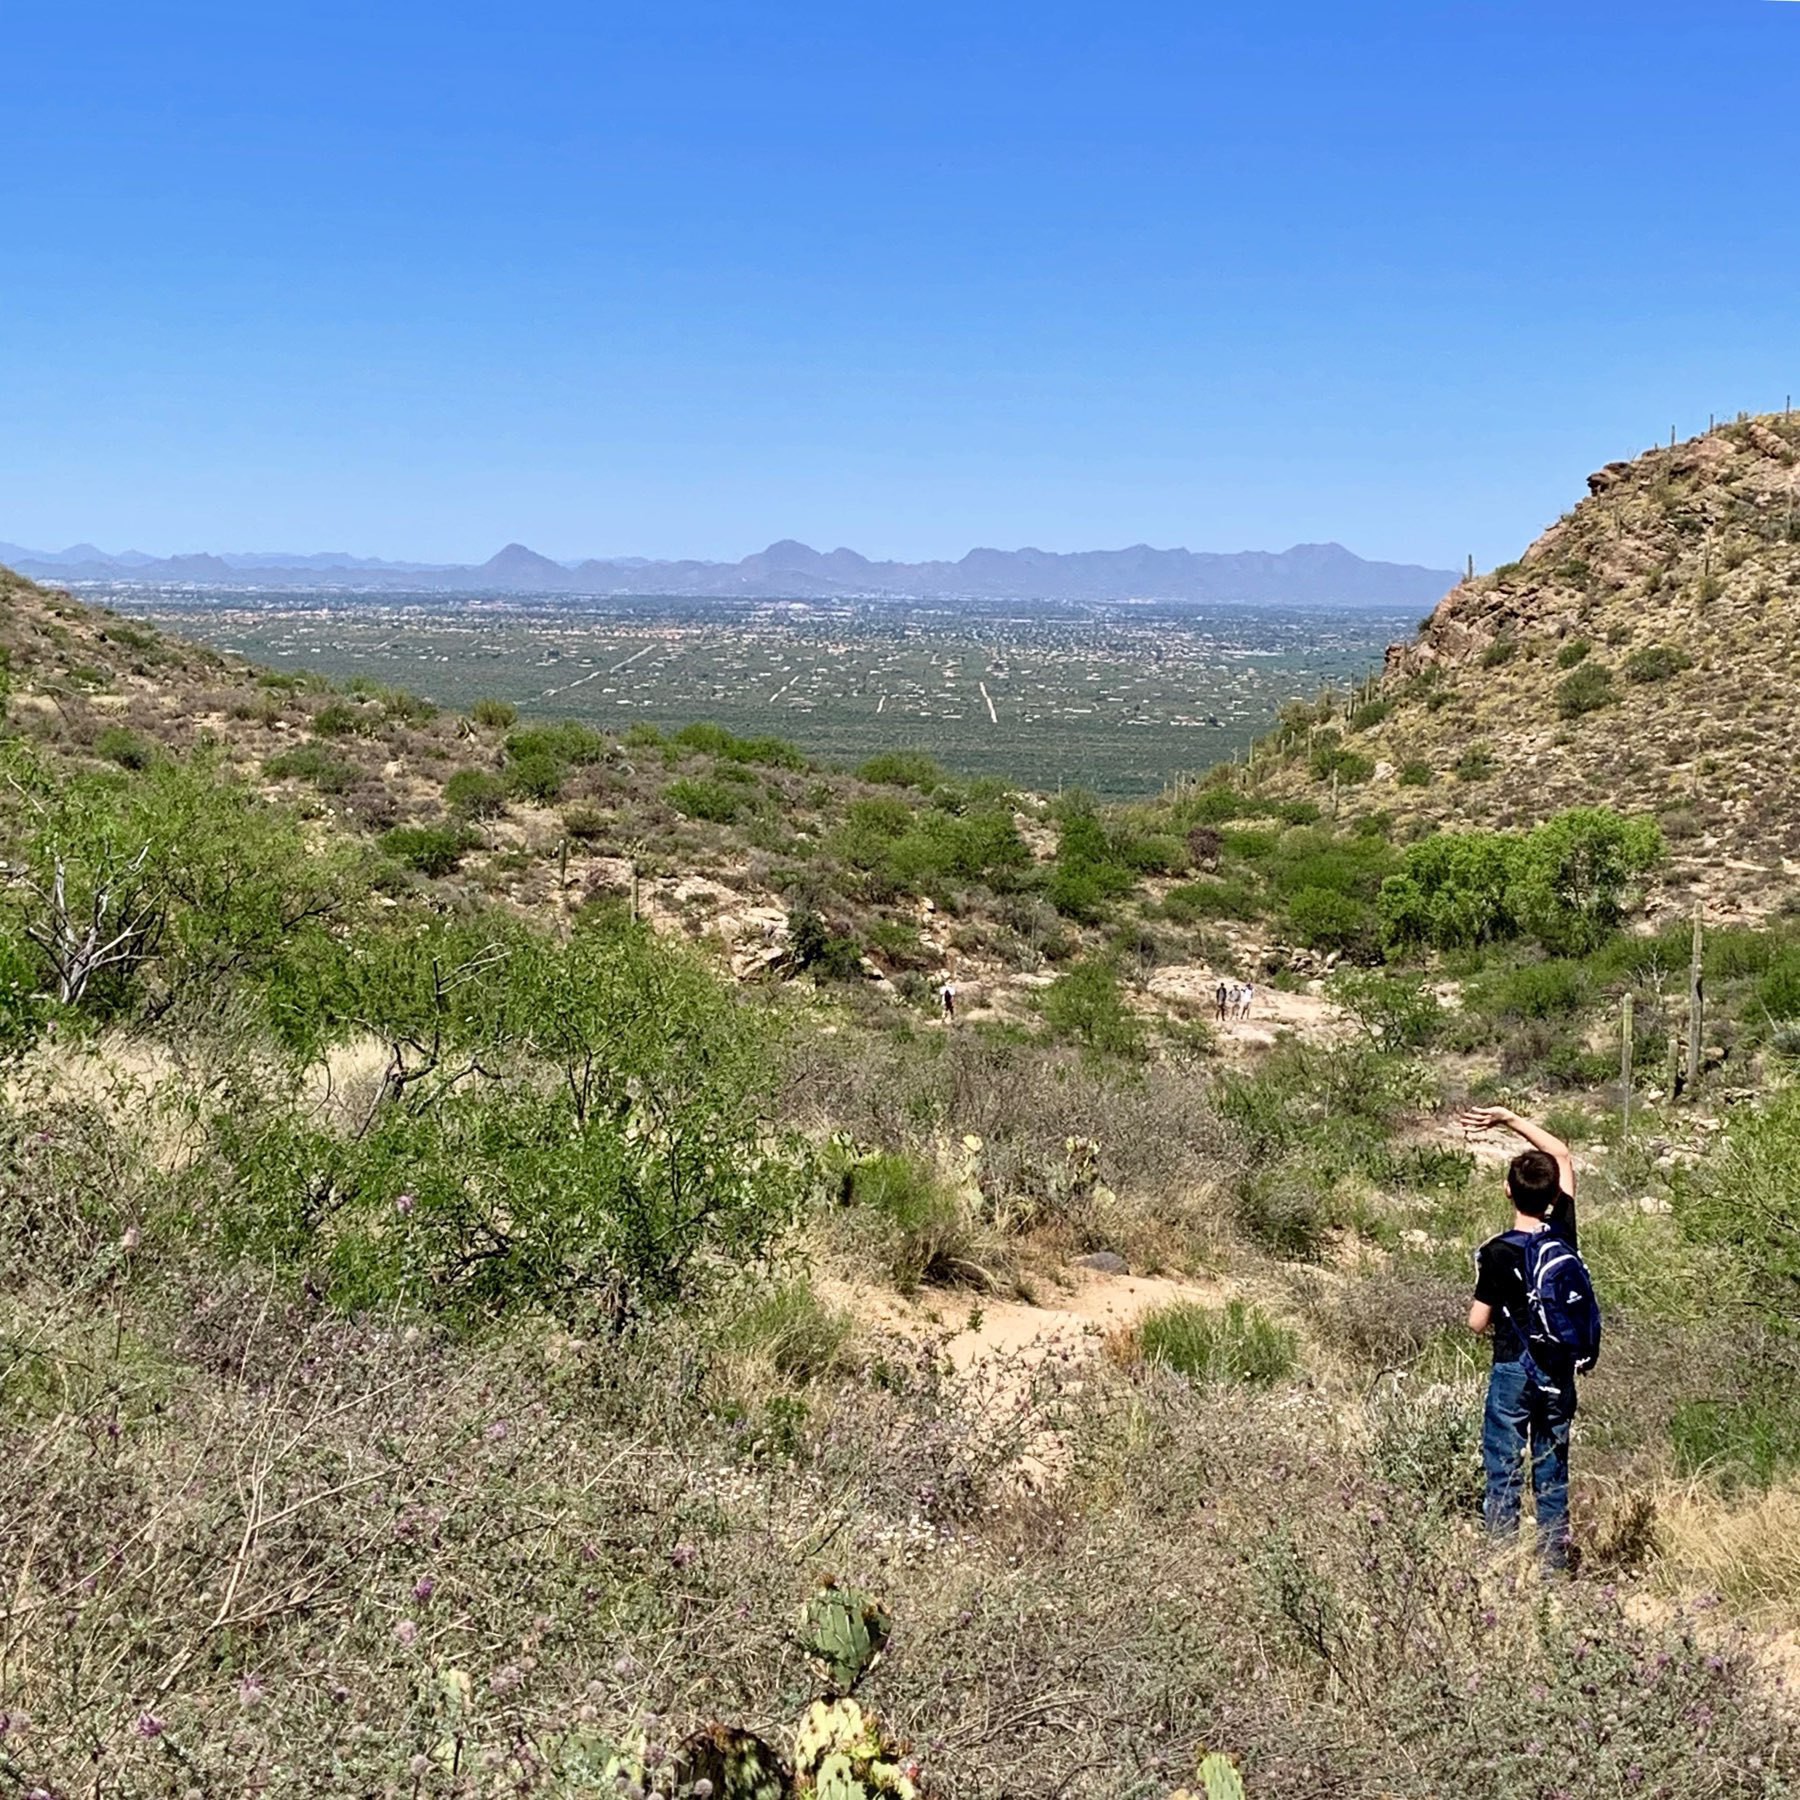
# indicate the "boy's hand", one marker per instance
pixel 1485 1118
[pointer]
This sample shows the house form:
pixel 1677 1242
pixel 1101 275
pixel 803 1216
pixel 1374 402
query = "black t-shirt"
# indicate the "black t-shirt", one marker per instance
pixel 1500 1278
pixel 1500 1283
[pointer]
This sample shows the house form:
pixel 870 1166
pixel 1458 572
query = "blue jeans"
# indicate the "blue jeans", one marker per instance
pixel 1525 1409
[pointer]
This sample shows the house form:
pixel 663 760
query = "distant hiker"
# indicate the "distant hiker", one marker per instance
pixel 1534 1294
pixel 1220 998
pixel 1249 999
pixel 947 994
pixel 1236 1000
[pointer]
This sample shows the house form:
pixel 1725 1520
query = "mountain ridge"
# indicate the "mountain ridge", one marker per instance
pixel 1319 574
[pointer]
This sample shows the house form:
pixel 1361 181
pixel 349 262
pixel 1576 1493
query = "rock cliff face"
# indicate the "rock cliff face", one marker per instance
pixel 1643 653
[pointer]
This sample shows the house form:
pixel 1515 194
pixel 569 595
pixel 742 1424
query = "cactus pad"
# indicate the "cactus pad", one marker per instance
pixel 845 1632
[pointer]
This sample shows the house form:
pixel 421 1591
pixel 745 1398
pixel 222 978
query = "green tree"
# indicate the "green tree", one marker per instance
pixel 1576 873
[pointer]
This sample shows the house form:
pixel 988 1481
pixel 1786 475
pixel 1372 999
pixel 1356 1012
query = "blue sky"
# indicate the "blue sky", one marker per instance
pixel 675 278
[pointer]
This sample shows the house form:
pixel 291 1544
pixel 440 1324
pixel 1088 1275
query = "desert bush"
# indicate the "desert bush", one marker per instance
pixel 197 879
pixel 1476 763
pixel 1544 990
pixel 1195 902
pixel 1587 690
pixel 336 719
pixel 644 1178
pixel 565 741
pixel 537 776
pixel 1415 773
pixel 831 955
pixel 1396 1011
pixel 923 1230
pixel 1236 1343
pixel 1745 1202
pixel 903 768
pixel 1656 662
pixel 496 715
pixel 434 850
pixel 312 763
pixel 1086 1007
pixel 475 794
pixel 118 745
pixel 1327 919
pixel 904 849
pixel 1425 1440
pixel 1391 1316
pixel 715 740
pixel 1573 653
pixel 717 802
pixel 584 823
pixel 1569 883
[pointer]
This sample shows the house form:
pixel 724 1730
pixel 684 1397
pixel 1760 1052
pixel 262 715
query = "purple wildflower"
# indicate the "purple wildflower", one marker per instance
pixel 149 1726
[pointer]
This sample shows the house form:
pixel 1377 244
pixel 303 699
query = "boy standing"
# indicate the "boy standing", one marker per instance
pixel 1531 1389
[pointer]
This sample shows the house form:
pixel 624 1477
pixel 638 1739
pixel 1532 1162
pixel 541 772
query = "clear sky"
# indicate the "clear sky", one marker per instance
pixel 672 278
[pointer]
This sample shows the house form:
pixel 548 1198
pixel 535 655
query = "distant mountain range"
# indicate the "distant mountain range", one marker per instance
pixel 1308 574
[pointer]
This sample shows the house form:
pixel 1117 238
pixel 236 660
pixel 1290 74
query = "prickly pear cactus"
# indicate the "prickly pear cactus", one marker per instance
pixel 1218 1778
pixel 841 1753
pixel 845 1632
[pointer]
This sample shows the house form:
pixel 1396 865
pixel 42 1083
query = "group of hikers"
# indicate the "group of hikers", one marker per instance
pixel 1234 1001
pixel 1535 1299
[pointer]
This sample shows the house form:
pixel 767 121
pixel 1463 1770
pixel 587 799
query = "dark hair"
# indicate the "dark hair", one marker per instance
pixel 1533 1183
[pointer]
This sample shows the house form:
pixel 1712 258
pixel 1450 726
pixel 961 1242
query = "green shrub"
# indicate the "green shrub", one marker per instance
pixel 821 951
pixel 536 776
pixel 315 764
pixel 1415 774
pixel 717 802
pixel 1370 714
pixel 1573 653
pixel 434 850
pixel 584 823
pixel 1587 690
pixel 335 719
pixel 903 768
pixel 1325 919
pixel 496 715
pixel 1778 992
pixel 1396 1011
pixel 907 849
pixel 117 745
pixel 1656 662
pixel 1086 1007
pixel 563 740
pixel 715 740
pixel 1197 901
pixel 1241 1343
pixel 1745 1201
pixel 1546 990
pixel 200 883
pixel 1476 763
pixel 641 1179
pixel 1283 1211
pixel 800 1336
pixel 921 1226
pixel 1501 651
pixel 475 794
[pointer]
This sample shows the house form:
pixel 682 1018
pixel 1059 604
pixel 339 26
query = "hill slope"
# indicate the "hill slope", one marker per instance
pixel 1642 653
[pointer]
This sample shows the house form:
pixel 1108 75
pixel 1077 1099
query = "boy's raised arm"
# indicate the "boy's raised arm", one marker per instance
pixel 1500 1118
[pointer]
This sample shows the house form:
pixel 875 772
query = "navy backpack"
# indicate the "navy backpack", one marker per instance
pixel 1562 1323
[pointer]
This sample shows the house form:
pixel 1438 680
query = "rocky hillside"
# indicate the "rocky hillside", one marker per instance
pixel 1643 653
